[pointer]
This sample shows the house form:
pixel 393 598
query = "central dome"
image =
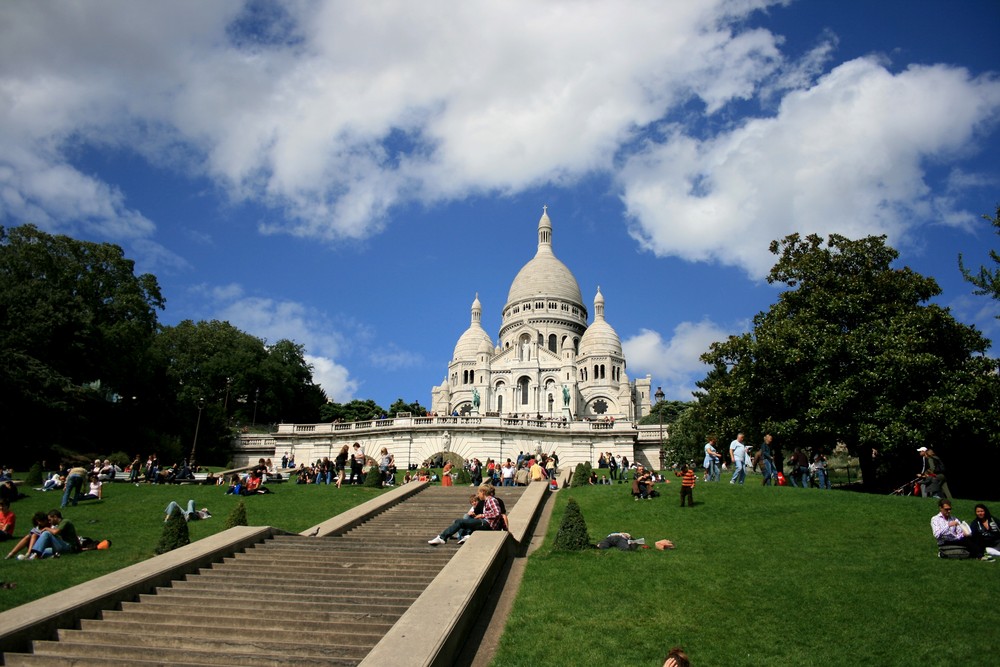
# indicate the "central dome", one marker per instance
pixel 544 275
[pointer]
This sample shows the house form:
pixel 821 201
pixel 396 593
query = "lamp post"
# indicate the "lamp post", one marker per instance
pixel 197 425
pixel 659 396
pixel 256 395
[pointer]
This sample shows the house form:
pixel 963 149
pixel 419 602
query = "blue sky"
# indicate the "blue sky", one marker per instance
pixel 351 175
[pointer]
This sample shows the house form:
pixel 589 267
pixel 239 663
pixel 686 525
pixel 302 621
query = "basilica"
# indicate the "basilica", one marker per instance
pixel 547 361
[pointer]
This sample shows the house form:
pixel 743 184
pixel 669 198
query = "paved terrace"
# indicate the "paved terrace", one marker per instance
pixel 361 588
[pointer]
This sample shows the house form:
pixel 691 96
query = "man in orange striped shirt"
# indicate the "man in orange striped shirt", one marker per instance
pixel 688 479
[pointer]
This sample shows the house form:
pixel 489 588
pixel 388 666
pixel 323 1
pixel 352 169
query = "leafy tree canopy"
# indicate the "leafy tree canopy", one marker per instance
pixel 75 327
pixel 853 352
pixel 668 410
pixel 356 410
pixel 987 281
pixel 414 408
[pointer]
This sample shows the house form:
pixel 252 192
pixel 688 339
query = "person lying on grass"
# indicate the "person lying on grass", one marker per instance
pixel 190 514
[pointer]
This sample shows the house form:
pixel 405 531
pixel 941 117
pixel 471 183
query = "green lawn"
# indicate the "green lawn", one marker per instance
pixel 760 576
pixel 132 518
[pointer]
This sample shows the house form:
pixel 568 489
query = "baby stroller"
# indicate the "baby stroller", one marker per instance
pixel 908 489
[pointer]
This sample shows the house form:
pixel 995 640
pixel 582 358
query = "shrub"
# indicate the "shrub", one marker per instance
pixel 373 478
pixel 572 535
pixel 581 476
pixel 34 476
pixel 463 477
pixel 238 516
pixel 175 533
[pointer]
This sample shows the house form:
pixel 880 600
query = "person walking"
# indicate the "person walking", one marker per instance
pixel 738 453
pixel 767 459
pixel 711 462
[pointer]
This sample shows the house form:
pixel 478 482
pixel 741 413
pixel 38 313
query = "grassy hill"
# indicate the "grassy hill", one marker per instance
pixel 760 576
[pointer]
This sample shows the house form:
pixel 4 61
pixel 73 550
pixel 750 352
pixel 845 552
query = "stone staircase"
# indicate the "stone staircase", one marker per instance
pixel 289 600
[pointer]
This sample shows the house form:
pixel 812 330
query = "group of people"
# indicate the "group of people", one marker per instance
pixel 486 512
pixel 353 459
pixel 958 539
pixel 51 536
pixel 617 465
pixel 803 471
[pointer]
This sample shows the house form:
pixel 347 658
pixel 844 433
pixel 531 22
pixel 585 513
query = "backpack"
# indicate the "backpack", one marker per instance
pixel 953 550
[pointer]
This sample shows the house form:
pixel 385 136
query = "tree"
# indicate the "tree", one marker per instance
pixel 356 410
pixel 572 534
pixel 216 378
pixel 987 282
pixel 669 410
pixel 414 408
pixel 76 324
pixel 853 353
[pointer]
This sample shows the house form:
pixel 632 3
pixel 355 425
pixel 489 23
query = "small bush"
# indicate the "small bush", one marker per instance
pixel 572 535
pixel 373 478
pixel 463 477
pixel 175 533
pixel 581 476
pixel 34 476
pixel 238 516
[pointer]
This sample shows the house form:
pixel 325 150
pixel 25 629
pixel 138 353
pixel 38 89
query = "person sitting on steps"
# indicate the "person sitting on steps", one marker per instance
pixel 491 518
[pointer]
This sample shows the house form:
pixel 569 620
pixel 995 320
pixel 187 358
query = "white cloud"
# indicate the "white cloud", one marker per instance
pixel 334 112
pixel 675 362
pixel 275 320
pixel 847 155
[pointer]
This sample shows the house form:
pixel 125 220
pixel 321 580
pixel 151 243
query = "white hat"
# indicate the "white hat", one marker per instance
pixel 921 449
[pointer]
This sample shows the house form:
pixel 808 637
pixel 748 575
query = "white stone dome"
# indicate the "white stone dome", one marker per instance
pixel 600 338
pixel 474 338
pixel 544 275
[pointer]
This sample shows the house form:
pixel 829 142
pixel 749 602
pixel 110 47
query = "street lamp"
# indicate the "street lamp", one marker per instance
pixel 256 395
pixel 197 425
pixel 659 396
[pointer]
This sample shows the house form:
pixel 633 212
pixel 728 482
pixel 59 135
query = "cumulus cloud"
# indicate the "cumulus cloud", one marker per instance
pixel 846 155
pixel 674 362
pixel 333 113
pixel 274 320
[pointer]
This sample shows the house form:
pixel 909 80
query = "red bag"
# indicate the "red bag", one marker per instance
pixel 781 479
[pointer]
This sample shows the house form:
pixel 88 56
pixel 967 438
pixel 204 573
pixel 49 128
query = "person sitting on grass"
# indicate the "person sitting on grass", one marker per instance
pixel 985 531
pixel 677 658
pixel 40 521
pixel 59 538
pixel 491 518
pixel 951 537
pixel 190 514
pixel 642 484
pixel 7 521
pixel 96 485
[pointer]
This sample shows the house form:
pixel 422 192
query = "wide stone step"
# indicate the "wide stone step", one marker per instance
pixel 235 581
pixel 315 633
pixel 210 653
pixel 196 615
pixel 388 578
pixel 288 601
pixel 212 609
pixel 362 594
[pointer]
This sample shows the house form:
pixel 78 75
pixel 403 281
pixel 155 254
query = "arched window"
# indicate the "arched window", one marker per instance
pixel 602 372
pixel 551 401
pixel 541 340
pixel 553 341
pixel 522 386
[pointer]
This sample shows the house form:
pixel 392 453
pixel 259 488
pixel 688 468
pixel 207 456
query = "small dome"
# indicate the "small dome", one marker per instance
pixel 600 337
pixel 474 338
pixel 486 347
pixel 544 275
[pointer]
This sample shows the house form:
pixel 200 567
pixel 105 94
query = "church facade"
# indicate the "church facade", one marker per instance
pixel 550 383
pixel 547 361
